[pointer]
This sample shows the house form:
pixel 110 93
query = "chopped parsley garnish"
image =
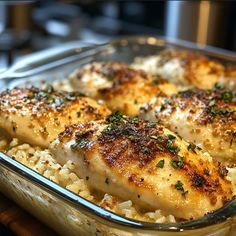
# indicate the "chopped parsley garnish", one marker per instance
pixel 80 143
pixel 171 137
pixel 107 181
pixel 160 164
pixel 78 114
pixel 170 145
pixel 115 117
pixel 227 96
pixel 172 148
pixel 212 102
pixel 42 94
pixel 178 164
pixel 218 111
pixel 133 120
pixel 109 129
pixel 219 85
pixel 179 186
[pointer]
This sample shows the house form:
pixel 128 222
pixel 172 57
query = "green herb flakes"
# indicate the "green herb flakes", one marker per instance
pixel 80 143
pixel 78 114
pixel 172 148
pixel 160 164
pixel 179 186
pixel 227 96
pixel 178 164
pixel 171 137
pixel 212 102
pixel 115 117
pixel 218 85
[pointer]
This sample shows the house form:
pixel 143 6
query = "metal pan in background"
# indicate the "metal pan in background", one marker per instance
pixel 66 212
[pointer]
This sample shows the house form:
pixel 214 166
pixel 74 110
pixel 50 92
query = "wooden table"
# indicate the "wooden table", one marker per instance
pixel 20 222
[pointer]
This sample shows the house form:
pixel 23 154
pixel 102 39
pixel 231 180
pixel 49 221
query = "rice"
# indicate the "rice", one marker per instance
pixel 43 162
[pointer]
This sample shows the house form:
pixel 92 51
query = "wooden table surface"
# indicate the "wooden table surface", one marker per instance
pixel 19 221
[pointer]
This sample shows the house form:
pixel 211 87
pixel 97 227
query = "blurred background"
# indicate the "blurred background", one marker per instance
pixel 29 26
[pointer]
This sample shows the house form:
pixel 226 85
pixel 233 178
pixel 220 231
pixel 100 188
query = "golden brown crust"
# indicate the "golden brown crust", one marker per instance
pixel 41 103
pixel 131 146
pixel 36 116
pixel 205 117
pixel 120 86
pixel 193 63
pixel 216 107
pixel 122 76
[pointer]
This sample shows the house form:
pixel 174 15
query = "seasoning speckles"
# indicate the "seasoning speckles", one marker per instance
pixel 80 143
pixel 206 118
pixel 160 164
pixel 179 186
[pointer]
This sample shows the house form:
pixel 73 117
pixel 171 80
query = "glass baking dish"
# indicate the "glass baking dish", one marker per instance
pixel 64 211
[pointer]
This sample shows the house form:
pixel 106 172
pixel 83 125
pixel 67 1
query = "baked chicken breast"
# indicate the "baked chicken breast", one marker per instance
pixel 205 117
pixel 146 163
pixel 183 68
pixel 119 86
pixel 37 116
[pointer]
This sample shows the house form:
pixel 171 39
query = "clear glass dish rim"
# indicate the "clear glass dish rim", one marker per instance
pixel 227 212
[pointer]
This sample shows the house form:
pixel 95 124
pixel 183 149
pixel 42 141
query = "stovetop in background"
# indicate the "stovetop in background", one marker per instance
pixel 53 22
pixel 28 26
